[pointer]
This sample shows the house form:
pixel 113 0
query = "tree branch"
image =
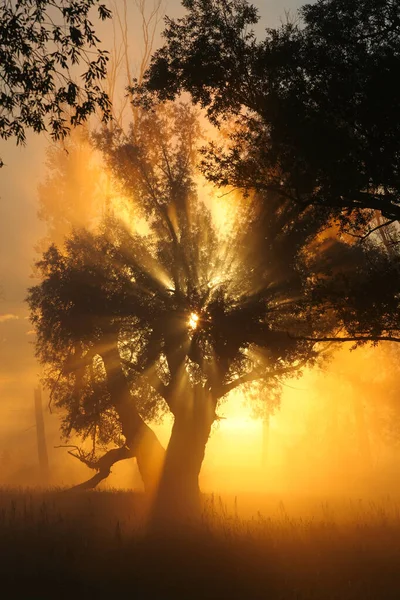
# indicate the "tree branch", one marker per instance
pixel 255 375
pixel 363 200
pixel 103 465
pixel 367 338
pixel 363 237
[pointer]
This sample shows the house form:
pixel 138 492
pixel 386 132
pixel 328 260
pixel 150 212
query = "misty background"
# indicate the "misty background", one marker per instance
pixel 337 430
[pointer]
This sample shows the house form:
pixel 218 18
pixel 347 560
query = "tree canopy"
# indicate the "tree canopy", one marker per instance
pixel 134 321
pixel 313 107
pixel 165 311
pixel 43 46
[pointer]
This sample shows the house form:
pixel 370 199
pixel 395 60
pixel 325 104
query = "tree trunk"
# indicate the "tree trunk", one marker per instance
pixel 364 446
pixel 140 439
pixel 178 495
pixel 265 440
pixel 41 437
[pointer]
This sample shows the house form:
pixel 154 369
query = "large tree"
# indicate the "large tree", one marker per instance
pixel 313 107
pixel 43 46
pixel 173 315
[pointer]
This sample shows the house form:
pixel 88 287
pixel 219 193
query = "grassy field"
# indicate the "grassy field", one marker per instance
pixel 94 545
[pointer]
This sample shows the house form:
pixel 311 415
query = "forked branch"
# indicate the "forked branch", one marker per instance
pixel 102 465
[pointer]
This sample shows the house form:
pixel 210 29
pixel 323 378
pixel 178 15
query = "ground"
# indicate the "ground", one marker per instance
pixel 55 545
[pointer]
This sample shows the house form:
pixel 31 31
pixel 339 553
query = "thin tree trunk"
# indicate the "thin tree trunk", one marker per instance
pixel 41 437
pixel 265 440
pixel 362 432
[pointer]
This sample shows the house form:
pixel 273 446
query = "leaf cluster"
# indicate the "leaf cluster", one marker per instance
pixel 263 294
pixel 312 107
pixel 42 44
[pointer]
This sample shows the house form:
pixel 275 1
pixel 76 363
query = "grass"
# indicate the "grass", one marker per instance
pixel 95 545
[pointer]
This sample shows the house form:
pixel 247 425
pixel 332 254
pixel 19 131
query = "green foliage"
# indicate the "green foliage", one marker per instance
pixel 41 42
pixel 314 105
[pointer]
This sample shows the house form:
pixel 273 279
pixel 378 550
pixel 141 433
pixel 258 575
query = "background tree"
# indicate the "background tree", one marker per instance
pixel 360 409
pixel 121 64
pixel 41 44
pixel 314 104
pixel 74 192
pixel 77 190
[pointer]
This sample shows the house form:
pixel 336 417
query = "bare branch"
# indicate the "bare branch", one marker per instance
pixel 103 464
pixel 366 235
pixel 256 375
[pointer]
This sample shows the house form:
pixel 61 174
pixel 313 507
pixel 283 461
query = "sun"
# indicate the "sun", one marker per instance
pixel 193 320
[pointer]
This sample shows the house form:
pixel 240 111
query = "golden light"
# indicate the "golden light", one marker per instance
pixel 193 320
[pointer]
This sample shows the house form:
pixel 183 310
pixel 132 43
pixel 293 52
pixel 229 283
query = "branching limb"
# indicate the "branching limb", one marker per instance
pixel 366 235
pixel 103 464
pixel 354 338
pixel 254 375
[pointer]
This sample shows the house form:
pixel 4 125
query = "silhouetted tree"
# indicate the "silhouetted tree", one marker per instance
pixel 314 105
pixel 366 298
pixel 173 317
pixel 41 42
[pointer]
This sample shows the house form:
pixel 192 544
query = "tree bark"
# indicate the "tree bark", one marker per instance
pixel 178 495
pixel 141 441
pixel 102 465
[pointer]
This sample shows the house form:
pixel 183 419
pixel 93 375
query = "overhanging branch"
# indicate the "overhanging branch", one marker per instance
pixel 366 235
pixel 366 338
pixel 386 204
pixel 256 375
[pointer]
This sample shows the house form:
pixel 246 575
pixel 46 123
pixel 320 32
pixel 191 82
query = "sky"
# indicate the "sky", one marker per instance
pixel 20 232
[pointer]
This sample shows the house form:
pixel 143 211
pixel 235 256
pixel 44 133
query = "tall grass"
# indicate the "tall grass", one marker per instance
pixel 94 545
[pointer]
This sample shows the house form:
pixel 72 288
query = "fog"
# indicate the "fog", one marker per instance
pixel 335 432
